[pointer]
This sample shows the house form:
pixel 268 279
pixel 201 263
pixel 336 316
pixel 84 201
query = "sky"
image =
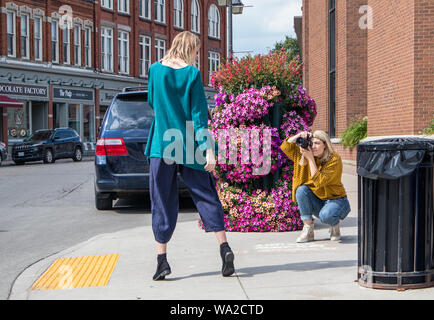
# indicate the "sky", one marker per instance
pixel 261 26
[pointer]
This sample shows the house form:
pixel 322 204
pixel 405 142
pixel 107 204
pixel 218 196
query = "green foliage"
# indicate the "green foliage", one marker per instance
pixel 290 45
pixel 357 131
pixel 429 130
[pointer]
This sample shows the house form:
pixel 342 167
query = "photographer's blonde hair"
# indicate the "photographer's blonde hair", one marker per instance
pixel 183 46
pixel 328 150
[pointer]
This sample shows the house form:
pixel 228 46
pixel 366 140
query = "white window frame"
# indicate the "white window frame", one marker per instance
pixel 108 4
pixel 160 49
pixel 66 32
pixel 123 52
pixel 124 6
pixel 77 45
pixel 11 31
pixel 26 38
pixel 145 49
pixel 195 16
pixel 213 63
pixel 106 55
pixel 214 22
pixel 38 40
pixel 88 47
pixel 178 13
pixel 145 7
pixel 160 11
pixel 55 24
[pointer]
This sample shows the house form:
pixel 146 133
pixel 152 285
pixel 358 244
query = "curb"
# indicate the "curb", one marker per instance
pixel 86 157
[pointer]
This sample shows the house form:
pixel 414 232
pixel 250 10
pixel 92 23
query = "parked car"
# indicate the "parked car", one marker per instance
pixel 3 154
pixel 121 168
pixel 49 145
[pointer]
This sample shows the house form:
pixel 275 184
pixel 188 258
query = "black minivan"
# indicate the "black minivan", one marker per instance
pixel 121 168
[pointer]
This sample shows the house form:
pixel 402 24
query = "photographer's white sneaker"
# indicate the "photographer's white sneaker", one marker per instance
pixel 335 233
pixel 307 234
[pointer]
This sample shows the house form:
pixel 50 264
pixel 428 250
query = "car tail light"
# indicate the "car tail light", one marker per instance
pixel 111 147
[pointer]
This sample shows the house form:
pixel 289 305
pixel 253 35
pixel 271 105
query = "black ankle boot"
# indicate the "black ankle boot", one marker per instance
pixel 163 268
pixel 227 259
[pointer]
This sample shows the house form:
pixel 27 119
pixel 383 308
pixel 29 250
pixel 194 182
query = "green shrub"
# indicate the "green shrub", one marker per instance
pixel 430 130
pixel 357 131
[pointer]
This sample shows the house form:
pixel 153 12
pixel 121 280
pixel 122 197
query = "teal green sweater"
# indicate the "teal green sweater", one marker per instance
pixel 181 116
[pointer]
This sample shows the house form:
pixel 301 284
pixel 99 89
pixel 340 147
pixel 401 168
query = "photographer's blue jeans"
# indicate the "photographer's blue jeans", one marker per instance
pixel 328 211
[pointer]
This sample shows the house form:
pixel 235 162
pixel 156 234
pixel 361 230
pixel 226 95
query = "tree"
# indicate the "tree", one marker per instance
pixel 290 45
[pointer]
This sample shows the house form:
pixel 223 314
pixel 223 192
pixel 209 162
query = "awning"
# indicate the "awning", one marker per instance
pixel 7 102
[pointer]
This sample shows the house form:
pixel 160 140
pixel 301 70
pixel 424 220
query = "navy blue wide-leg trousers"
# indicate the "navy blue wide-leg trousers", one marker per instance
pixel 163 189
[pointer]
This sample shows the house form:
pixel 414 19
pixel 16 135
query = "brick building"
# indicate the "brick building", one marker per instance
pixel 370 58
pixel 63 61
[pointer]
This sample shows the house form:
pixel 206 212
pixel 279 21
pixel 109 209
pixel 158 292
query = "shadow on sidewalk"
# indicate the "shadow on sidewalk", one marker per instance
pixel 347 222
pixel 298 267
pixel 142 205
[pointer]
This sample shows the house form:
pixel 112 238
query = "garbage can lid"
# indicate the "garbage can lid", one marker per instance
pixel 397 143
pixel 391 158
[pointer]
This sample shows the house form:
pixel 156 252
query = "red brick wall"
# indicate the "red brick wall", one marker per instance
pixel 305 40
pixel 351 62
pixel 351 72
pixel 315 57
pixel 386 72
pixel 86 11
pixel 342 70
pixel 346 153
pixel 424 64
pixel 391 72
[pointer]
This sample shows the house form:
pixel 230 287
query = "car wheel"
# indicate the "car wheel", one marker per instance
pixel 103 203
pixel 78 154
pixel 48 156
pixel 1 160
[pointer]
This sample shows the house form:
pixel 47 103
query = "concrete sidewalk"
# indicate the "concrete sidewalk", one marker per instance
pixel 268 266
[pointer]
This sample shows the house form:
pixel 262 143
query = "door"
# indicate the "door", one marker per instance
pixel 39 115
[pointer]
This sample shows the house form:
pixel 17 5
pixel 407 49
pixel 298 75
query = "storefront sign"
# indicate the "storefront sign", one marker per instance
pixel 60 93
pixel 106 97
pixel 23 90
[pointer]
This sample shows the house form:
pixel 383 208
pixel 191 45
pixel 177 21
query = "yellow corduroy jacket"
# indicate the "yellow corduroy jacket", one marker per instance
pixel 326 183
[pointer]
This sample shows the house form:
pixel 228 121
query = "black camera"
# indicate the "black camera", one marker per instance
pixel 304 143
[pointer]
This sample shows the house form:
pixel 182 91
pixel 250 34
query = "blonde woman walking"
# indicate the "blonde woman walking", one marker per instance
pixel 175 92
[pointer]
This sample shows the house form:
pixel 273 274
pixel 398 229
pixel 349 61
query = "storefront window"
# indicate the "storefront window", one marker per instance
pixel 74 117
pixel 88 123
pixel 60 115
pixel 18 122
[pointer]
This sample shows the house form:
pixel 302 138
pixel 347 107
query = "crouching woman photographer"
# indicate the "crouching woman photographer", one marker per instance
pixel 317 185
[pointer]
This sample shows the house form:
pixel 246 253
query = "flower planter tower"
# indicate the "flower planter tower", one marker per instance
pixel 260 102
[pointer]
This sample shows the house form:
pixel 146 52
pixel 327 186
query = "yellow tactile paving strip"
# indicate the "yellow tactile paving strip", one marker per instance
pixel 78 272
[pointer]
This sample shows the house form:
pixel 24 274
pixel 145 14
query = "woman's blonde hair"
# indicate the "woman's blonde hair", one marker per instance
pixel 328 150
pixel 183 47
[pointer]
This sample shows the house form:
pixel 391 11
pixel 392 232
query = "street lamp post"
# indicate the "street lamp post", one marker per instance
pixel 234 7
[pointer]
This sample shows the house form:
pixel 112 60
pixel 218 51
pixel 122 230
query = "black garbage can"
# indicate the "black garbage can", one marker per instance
pixel 395 210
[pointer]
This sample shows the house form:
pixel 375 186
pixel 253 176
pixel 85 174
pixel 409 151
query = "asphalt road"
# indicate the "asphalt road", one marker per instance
pixel 47 208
